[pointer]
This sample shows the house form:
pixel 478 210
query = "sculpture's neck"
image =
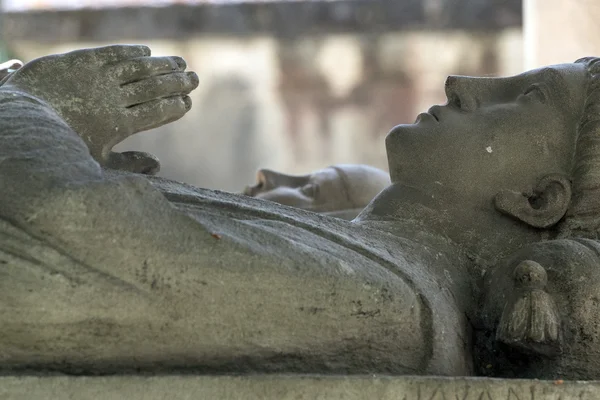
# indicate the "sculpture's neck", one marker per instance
pixel 475 226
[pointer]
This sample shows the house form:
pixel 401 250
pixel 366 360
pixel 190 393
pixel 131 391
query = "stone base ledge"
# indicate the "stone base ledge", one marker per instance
pixel 283 387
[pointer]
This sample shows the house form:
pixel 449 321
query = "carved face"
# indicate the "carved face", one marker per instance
pixel 493 134
pixel 321 191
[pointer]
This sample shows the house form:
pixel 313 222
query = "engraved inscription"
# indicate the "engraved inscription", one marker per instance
pixel 495 391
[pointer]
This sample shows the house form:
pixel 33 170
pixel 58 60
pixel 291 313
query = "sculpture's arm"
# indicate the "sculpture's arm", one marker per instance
pixel 39 153
pixel 51 187
pixel 61 114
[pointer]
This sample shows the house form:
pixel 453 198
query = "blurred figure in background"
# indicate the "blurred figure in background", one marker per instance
pixel 341 190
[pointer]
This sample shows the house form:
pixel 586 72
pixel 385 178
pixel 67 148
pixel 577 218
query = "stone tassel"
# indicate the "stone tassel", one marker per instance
pixel 530 320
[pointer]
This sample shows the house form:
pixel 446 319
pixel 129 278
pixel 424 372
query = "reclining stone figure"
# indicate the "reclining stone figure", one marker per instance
pixel 106 271
pixel 342 190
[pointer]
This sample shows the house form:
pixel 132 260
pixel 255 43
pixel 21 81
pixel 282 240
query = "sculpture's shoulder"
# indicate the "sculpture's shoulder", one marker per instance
pixel 543 302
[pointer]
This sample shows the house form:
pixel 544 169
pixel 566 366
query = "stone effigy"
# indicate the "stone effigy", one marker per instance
pixel 342 190
pixel 479 259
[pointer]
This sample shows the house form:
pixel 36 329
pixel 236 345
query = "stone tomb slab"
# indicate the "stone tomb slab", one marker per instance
pixel 283 387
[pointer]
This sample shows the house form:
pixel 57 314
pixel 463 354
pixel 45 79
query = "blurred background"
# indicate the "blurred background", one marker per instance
pixel 298 85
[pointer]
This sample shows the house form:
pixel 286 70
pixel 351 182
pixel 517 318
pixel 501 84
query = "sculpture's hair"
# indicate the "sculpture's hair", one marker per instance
pixel 583 217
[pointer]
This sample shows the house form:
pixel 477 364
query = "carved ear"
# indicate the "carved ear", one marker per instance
pixel 542 209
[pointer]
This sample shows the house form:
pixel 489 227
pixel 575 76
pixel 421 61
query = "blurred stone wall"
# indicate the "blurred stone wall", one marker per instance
pixel 297 102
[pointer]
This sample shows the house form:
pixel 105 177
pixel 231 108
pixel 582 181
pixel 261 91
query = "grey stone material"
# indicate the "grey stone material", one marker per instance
pixel 480 257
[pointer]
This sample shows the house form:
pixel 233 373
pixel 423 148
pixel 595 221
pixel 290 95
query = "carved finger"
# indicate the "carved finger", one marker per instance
pixel 138 69
pixel 177 83
pixel 112 54
pixel 156 113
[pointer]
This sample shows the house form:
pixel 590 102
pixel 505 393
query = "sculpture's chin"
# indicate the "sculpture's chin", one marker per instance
pixel 398 129
pixel 398 142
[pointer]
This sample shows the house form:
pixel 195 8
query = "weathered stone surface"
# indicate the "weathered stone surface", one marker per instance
pixel 291 388
pixel 108 273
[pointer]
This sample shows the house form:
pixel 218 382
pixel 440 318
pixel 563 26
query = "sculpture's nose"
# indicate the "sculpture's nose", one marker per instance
pixel 462 93
pixel 260 186
pixel 267 179
pixel 262 183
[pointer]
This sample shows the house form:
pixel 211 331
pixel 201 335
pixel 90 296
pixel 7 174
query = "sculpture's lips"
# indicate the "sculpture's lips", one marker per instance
pixel 424 116
pixel 435 112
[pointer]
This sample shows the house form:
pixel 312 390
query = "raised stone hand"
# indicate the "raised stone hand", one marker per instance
pixel 107 94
